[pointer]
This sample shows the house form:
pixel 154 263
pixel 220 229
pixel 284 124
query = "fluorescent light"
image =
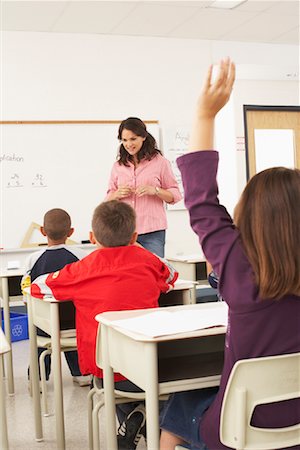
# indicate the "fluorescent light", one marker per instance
pixel 226 4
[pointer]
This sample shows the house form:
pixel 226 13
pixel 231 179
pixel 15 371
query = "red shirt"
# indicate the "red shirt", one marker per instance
pixel 109 279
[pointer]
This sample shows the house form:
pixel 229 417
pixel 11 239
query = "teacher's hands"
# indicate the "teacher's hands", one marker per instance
pixel 123 192
pixel 145 190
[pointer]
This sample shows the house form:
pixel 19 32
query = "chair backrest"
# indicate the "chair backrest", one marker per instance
pixel 253 382
pixel 39 313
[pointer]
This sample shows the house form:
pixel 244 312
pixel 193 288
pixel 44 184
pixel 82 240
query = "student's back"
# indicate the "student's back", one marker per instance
pixel 50 260
pixel 57 228
pixel 118 276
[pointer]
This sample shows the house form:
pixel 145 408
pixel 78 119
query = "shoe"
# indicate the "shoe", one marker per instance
pixel 82 380
pixel 129 432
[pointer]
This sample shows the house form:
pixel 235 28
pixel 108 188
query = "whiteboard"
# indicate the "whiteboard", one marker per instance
pixel 54 165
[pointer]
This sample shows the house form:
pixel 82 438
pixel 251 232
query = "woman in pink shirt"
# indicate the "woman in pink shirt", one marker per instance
pixel 143 178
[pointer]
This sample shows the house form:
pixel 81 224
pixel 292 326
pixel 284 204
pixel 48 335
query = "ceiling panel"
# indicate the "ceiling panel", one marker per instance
pixel 93 17
pixel 291 37
pixel 252 21
pixel 256 29
pixel 286 8
pixel 211 24
pixel 28 16
pixel 154 19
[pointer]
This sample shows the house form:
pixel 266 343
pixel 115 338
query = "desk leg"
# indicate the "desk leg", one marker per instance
pixel 189 296
pixel 8 356
pixel 3 421
pixel 34 374
pixel 58 391
pixel 109 396
pixel 151 391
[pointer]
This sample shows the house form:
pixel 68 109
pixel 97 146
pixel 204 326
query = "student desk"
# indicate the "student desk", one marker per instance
pixel 18 256
pixel 5 274
pixel 161 365
pixel 46 317
pixel 190 267
pixel 180 295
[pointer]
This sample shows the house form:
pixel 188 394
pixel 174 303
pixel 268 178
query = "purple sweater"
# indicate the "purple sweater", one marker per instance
pixel 255 327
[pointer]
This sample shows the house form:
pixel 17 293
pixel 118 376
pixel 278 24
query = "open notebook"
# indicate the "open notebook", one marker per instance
pixel 162 323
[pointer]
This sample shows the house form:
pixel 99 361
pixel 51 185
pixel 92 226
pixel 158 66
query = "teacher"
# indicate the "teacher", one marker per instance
pixel 143 178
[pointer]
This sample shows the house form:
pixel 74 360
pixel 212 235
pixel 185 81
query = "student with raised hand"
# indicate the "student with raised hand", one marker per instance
pixel 119 275
pixel 257 258
pixel 57 229
pixel 143 178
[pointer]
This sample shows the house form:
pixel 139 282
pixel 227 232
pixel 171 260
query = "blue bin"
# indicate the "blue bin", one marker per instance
pixel 18 326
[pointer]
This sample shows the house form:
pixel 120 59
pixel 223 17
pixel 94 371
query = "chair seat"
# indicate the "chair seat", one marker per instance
pixel 65 342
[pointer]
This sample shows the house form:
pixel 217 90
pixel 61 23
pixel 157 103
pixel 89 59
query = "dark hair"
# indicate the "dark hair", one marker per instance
pixel 57 224
pixel 113 223
pixel 149 148
pixel 268 218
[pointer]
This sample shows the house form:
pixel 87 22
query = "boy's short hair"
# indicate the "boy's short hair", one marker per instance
pixel 113 223
pixel 57 224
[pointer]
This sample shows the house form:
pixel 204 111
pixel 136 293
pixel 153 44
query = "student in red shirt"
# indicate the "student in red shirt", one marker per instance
pixel 119 275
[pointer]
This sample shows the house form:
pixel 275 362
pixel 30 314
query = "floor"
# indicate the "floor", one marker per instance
pixel 20 410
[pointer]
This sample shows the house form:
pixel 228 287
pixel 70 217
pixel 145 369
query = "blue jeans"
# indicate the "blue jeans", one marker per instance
pixel 154 242
pixel 183 412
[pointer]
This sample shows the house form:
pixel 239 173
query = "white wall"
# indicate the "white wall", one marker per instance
pixel 47 76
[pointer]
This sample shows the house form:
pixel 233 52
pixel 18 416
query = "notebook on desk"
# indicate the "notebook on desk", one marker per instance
pixel 163 323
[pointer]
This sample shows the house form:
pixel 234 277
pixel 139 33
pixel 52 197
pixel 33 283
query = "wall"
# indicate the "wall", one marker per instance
pixel 71 76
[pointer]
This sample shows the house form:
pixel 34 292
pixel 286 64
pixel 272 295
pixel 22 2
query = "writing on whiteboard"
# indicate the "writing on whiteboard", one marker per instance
pixel 11 158
pixel 176 142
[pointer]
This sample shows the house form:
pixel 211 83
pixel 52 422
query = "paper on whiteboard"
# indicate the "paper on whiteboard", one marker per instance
pixel 274 148
pixel 162 323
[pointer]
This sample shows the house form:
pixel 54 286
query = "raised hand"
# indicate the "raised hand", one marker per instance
pixel 214 95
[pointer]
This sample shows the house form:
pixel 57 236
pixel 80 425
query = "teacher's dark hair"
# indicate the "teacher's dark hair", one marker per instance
pixel 149 149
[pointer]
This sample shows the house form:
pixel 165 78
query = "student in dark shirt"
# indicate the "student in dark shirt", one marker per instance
pixel 57 228
pixel 257 259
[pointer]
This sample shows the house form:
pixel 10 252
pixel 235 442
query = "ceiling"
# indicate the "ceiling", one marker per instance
pixel 268 21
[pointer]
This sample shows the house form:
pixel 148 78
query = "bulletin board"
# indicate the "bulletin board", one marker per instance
pixel 55 164
pixel 272 137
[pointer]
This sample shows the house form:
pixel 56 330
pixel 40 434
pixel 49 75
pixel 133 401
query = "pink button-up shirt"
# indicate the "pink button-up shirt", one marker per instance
pixel 150 209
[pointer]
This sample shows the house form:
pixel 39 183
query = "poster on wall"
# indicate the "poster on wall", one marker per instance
pixel 175 142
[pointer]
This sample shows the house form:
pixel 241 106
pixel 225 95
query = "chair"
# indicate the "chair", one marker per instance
pixel 67 344
pixel 253 382
pixel 45 315
pixel 94 408
pixel 4 348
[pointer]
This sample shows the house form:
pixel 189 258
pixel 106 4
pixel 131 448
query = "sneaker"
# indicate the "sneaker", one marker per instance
pixel 82 380
pixel 129 432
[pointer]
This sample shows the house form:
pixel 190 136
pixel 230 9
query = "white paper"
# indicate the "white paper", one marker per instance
pixel 274 148
pixel 13 265
pixel 162 323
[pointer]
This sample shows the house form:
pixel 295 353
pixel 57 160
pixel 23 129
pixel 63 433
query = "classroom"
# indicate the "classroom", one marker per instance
pixel 71 72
